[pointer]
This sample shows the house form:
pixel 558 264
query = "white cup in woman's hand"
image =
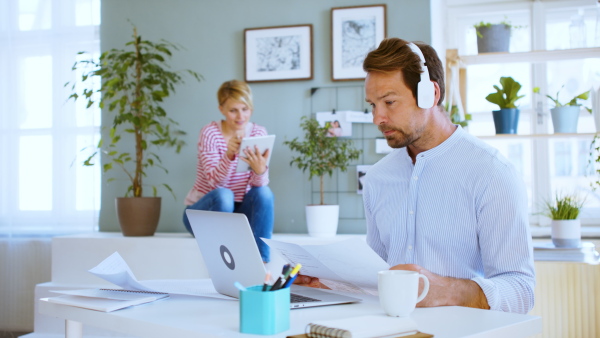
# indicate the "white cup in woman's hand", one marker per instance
pixel 399 291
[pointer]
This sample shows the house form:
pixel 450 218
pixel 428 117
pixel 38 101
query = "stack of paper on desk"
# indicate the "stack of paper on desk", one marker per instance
pixel 106 300
pixel 349 265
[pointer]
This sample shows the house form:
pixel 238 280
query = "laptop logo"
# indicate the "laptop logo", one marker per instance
pixel 227 257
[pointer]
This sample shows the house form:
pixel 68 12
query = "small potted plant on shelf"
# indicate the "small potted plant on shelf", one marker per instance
pixel 565 116
pixel 564 212
pixel 456 117
pixel 321 154
pixel 506 119
pixel 493 38
pixel 133 84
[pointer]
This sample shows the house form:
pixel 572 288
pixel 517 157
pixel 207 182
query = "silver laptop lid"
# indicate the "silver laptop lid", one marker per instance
pixel 228 248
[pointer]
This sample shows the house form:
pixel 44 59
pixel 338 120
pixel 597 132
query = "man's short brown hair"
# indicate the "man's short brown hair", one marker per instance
pixel 393 54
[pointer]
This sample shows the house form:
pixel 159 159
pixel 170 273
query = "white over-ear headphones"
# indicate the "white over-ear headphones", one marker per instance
pixel 425 88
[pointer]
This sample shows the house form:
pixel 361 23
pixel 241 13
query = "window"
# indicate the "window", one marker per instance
pixel 548 163
pixel 44 187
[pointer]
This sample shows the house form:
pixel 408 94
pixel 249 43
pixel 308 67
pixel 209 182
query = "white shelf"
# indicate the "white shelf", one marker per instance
pixel 530 136
pixel 532 57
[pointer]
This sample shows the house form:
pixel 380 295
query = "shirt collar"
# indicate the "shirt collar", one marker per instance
pixel 458 134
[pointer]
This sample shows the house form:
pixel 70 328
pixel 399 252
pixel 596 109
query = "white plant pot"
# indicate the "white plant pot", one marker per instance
pixel 565 118
pixel 566 233
pixel 322 220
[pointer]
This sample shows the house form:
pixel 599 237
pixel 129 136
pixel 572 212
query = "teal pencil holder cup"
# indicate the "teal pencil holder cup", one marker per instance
pixel 265 312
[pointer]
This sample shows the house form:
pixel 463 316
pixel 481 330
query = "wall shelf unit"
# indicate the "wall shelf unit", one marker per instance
pixel 531 57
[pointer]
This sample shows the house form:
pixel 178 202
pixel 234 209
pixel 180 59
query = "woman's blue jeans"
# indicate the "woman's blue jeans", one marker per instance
pixel 257 205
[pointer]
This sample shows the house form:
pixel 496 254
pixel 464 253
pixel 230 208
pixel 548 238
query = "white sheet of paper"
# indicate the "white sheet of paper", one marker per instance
pixel 351 261
pixel 115 270
pixel 294 254
pixel 112 294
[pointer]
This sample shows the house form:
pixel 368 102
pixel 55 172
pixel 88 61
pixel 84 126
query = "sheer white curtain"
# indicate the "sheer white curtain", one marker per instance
pixel 44 189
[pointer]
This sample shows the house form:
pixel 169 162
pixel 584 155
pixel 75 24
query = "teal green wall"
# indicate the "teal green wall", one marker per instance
pixel 212 33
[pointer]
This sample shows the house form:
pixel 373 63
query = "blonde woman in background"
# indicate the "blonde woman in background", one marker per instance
pixel 218 187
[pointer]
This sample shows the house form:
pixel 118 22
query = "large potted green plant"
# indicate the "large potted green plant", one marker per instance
pixel 321 154
pixel 565 116
pixel 564 212
pixel 134 83
pixel 506 119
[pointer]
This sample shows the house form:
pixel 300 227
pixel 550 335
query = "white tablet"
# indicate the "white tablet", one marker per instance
pixel 263 143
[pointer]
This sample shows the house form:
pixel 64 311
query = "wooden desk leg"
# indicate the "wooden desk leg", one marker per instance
pixel 73 329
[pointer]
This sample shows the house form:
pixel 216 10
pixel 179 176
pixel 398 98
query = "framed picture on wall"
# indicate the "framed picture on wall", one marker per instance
pixel 280 53
pixel 355 31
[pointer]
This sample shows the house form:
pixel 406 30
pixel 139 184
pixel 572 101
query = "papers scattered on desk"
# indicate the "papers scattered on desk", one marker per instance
pixel 104 299
pixel 351 265
pixel 546 251
pixel 115 270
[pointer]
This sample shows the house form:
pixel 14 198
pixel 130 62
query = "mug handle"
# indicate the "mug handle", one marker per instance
pixel 425 288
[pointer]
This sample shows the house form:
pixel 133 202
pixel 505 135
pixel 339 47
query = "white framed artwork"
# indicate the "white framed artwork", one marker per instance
pixel 282 53
pixel 355 31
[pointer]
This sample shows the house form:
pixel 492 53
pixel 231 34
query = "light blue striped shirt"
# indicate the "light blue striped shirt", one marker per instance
pixel 459 211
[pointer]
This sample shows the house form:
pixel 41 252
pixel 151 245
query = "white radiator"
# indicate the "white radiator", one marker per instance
pixel 24 262
pixel 567 297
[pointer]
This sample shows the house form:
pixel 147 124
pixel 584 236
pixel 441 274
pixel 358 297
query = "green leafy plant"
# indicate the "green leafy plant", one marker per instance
pixel 594 162
pixel 573 102
pixel 507 96
pixel 504 22
pixel 134 83
pixel 321 154
pixel 455 116
pixel 564 206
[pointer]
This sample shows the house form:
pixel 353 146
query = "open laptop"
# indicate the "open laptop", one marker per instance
pixel 231 255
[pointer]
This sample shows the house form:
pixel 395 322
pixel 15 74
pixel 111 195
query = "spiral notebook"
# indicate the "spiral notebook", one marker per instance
pixel 105 300
pixel 364 327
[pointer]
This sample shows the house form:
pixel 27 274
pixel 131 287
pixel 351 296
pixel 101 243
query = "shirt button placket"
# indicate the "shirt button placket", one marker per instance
pixel 410 252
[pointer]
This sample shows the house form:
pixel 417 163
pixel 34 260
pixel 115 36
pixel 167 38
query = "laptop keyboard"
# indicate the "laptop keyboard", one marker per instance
pixel 295 298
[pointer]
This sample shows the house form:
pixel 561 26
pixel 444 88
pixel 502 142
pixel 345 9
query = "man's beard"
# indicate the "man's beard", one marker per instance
pixel 397 140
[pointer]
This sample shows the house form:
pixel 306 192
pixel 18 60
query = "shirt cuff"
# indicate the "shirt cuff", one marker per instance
pixel 491 292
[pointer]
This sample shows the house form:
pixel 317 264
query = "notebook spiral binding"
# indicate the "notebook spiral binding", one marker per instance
pixel 136 291
pixel 320 331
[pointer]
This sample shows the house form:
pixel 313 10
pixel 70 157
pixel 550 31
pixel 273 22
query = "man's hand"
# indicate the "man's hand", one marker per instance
pixel 311 282
pixel 447 291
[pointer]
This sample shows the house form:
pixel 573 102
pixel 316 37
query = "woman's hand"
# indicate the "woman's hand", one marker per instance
pixel 256 160
pixel 233 146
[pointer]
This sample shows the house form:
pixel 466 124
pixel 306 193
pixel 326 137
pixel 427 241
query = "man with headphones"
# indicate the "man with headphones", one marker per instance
pixel 443 203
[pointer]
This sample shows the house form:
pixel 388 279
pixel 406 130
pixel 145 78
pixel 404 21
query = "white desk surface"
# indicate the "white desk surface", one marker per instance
pixel 189 316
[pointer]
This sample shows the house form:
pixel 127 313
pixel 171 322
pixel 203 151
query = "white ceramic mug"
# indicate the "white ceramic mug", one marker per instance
pixel 399 291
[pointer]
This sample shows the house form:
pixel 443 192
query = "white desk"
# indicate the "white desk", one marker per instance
pixel 188 316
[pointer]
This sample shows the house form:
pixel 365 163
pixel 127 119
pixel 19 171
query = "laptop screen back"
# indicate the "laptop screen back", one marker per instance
pixel 228 248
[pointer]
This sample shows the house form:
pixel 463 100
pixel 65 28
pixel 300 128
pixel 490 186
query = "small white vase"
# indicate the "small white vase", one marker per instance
pixel 565 118
pixel 566 233
pixel 322 220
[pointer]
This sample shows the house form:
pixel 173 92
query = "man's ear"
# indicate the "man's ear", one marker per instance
pixel 437 94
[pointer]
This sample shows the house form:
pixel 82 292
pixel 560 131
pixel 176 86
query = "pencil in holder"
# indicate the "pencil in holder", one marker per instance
pixel 264 312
